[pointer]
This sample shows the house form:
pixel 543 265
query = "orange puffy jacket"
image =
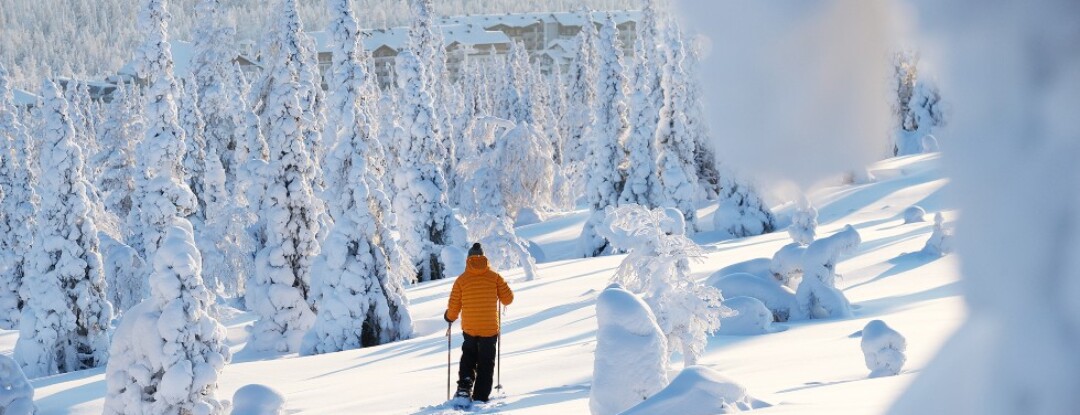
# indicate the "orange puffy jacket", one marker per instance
pixel 475 296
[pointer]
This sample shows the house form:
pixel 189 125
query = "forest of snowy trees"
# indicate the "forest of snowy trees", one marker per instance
pixel 314 208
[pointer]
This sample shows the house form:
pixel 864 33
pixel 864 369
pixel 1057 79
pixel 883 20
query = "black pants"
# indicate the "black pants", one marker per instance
pixel 477 365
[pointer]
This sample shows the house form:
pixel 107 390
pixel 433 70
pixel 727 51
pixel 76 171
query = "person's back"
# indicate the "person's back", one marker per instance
pixel 475 297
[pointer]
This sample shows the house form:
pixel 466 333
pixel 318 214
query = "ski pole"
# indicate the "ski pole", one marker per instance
pixel 448 327
pixel 498 363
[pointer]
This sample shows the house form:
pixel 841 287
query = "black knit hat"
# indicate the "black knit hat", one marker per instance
pixel 476 250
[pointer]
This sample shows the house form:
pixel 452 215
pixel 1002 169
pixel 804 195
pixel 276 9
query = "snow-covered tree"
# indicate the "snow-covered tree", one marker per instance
pixel 214 78
pixel 161 191
pixel 643 185
pixel 426 221
pixel 883 349
pixel 675 137
pixel 358 279
pixel 817 295
pixel 66 320
pixel 631 353
pixel 124 274
pixel 741 212
pixel 658 267
pixel 194 161
pixel 16 206
pixel 279 291
pixel 168 351
pixel 582 79
pixel 121 132
pixel 604 181
pixel 16 393
pixel 804 223
pixel 917 108
pixel 941 240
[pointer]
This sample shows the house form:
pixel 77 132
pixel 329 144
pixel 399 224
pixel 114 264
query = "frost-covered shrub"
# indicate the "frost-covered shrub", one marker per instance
pixel 16 393
pixel 779 299
pixel 168 351
pixel 817 294
pixel 751 317
pixel 631 357
pixel 658 267
pixel 803 223
pixel 503 248
pixel 125 274
pixel 883 348
pixel 258 399
pixel 698 390
pixel 914 214
pixel 940 242
pixel 787 264
pixel 741 211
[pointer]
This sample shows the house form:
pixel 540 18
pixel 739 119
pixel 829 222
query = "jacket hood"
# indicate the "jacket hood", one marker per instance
pixel 476 263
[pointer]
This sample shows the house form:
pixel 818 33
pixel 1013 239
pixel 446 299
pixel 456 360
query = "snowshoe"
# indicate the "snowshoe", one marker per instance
pixel 461 400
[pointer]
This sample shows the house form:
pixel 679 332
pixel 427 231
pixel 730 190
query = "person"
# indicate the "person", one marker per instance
pixel 475 297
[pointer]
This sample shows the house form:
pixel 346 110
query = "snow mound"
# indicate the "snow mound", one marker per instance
pixel 883 349
pixel 16 394
pixel 258 399
pixel 914 214
pixel 786 265
pixel 698 390
pixel 752 317
pixel 631 353
pixel 760 267
pixel 527 216
pixel 778 299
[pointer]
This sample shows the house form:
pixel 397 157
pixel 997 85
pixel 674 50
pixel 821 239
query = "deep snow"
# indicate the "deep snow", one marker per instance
pixel 814 367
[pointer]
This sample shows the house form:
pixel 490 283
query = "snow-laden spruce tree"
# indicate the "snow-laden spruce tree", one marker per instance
pixel 426 221
pixel 161 192
pixel 804 223
pixel 18 205
pixel 817 295
pixel 675 143
pixel 168 351
pixel 194 161
pixel 917 108
pixel 16 393
pixel 66 319
pixel 121 132
pixel 640 170
pixel 658 268
pixel 427 43
pixel 358 280
pixel 631 353
pixel 707 174
pixel 581 98
pixel 212 69
pixel 279 291
pixel 224 241
pixel 741 212
pixel 603 178
pixel 124 274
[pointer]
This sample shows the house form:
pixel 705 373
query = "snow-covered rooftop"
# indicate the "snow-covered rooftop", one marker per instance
pixel 528 19
pixel 398 37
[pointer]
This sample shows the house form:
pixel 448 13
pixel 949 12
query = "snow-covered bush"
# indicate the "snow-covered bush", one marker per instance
pixel 65 323
pixel 658 267
pixel 125 273
pixel 803 223
pixel 503 248
pixel 817 294
pixel 631 357
pixel 914 214
pixel 787 264
pixel 16 393
pixel 940 242
pixel 751 317
pixel 168 351
pixel 741 211
pixel 779 299
pixel 698 390
pixel 255 399
pixel 883 348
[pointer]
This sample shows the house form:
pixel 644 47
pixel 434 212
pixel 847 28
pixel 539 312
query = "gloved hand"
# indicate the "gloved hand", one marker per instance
pixel 444 317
